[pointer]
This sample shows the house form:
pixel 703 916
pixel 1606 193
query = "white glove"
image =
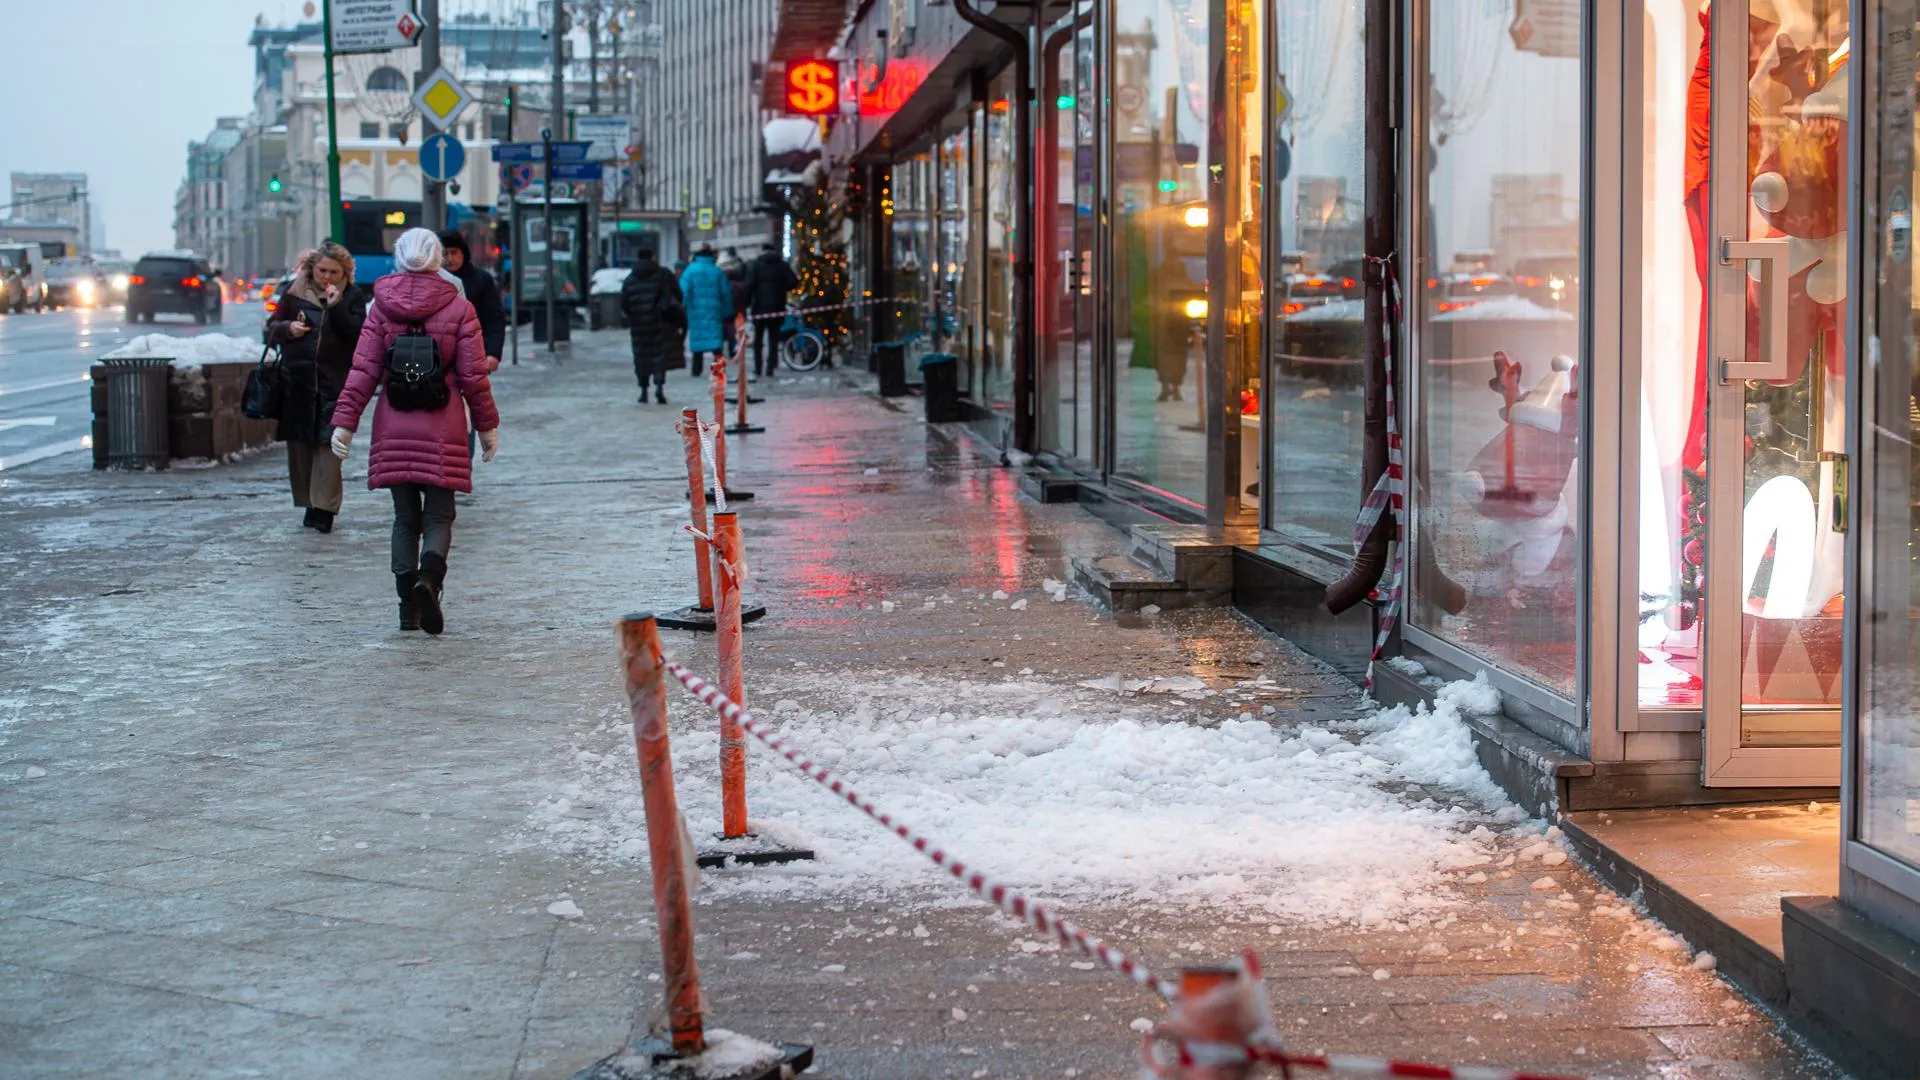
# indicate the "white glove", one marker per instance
pixel 342 442
pixel 489 442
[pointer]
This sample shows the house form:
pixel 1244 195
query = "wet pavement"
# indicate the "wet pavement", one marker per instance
pixel 252 829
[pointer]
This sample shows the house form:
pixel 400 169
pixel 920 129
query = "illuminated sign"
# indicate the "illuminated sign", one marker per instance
pixel 396 217
pixel 813 87
pixel 885 92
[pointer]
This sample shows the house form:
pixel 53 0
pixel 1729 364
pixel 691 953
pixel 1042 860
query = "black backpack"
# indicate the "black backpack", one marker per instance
pixel 416 379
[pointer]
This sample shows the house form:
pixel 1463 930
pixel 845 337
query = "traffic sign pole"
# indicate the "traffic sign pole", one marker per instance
pixel 336 217
pixel 433 195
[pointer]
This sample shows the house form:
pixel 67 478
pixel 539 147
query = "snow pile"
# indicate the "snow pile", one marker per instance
pixel 728 1054
pixel 1505 307
pixel 1076 795
pixel 190 352
pixel 608 279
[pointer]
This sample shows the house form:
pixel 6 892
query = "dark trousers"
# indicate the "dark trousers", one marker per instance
pixel 764 330
pixel 422 522
pixel 650 358
pixel 700 358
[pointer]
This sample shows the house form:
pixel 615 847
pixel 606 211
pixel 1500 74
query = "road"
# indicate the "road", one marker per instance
pixel 44 409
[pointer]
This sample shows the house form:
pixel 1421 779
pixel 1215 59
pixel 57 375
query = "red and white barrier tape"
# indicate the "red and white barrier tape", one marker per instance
pixel 1011 901
pixel 1390 490
pixel 903 301
pixel 1036 915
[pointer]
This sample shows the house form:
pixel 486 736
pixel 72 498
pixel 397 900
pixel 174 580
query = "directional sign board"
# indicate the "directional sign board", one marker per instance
pixel 442 157
pixel 364 26
pixel 606 136
pixel 576 170
pixel 441 98
pixel 569 152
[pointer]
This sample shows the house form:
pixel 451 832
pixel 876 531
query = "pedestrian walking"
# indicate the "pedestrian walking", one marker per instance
pixel 483 292
pixel 316 326
pixel 736 270
pixel 422 346
pixel 769 280
pixel 651 300
pixel 708 298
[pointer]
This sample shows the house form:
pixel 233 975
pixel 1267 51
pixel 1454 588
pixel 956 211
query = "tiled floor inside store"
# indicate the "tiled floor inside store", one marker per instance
pixel 1734 861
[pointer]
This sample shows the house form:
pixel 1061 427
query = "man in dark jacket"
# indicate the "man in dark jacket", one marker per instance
pixel 482 292
pixel 655 316
pixel 769 280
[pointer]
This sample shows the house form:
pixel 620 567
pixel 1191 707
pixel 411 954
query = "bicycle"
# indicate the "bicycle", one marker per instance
pixel 805 348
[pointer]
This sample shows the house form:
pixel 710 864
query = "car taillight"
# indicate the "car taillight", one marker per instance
pixel 1346 283
pixel 190 282
pixel 136 279
pixel 272 307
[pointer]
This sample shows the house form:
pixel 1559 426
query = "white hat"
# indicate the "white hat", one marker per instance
pixel 417 251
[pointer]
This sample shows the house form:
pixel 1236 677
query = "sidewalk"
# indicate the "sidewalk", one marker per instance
pixel 248 828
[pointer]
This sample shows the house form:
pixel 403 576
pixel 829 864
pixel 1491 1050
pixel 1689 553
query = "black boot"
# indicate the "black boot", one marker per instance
pixel 660 393
pixel 307 521
pixel 409 611
pixel 322 520
pixel 426 591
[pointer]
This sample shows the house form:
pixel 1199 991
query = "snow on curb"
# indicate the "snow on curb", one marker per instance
pixel 1077 795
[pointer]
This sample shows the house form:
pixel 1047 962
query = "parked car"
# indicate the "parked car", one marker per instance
pixel 24 265
pixel 75 283
pixel 173 282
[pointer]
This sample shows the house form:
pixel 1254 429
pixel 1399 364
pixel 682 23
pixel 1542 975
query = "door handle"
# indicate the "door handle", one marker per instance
pixel 1772 367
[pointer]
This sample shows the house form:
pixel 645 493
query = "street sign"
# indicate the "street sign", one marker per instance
pixel 575 170
pixel 520 176
pixel 442 157
pixel 441 98
pixel 606 136
pixel 570 152
pixel 366 26
pixel 516 151
pixel 703 218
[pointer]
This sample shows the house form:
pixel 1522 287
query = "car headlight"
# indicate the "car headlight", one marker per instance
pixel 120 282
pixel 83 291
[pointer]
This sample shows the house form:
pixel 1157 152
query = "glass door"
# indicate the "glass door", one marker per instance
pixel 1775 466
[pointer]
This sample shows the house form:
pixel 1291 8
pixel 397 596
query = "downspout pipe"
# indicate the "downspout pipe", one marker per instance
pixel 1024 388
pixel 1381 225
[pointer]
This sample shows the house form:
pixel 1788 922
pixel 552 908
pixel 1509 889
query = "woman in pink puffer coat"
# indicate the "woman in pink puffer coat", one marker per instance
pixel 420 456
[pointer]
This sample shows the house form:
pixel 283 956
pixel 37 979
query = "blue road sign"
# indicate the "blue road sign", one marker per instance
pixel 442 157
pixel 564 170
pixel 530 151
pixel 570 152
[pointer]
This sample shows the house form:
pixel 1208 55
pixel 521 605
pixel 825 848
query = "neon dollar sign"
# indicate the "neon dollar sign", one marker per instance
pixel 810 87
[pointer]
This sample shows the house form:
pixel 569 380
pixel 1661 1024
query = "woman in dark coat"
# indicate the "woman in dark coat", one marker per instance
pixel 316 327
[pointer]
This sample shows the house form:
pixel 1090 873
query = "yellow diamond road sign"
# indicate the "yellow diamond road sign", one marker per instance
pixel 441 98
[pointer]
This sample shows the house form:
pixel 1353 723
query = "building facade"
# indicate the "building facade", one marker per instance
pixel 50 208
pixel 1537 265
pixel 200 215
pixel 701 131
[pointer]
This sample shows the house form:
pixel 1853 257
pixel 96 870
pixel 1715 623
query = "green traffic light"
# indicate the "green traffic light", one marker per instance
pixel 1064 101
pixel 273 184
pixel 1169 185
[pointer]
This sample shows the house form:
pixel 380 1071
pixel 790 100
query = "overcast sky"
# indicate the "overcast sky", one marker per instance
pixel 116 89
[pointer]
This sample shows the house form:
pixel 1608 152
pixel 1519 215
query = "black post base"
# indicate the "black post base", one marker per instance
pixel 702 619
pixel 654 1058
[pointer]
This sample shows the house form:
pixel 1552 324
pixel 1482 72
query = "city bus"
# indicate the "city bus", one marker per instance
pixel 372 226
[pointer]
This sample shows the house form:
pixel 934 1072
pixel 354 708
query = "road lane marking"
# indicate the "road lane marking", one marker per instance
pixel 27 421
pixel 39 453
pixel 49 384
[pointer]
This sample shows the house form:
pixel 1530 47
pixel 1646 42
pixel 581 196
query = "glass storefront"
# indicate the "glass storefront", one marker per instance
pixel 1156 274
pixel 1315 202
pixel 1002 187
pixel 1495 293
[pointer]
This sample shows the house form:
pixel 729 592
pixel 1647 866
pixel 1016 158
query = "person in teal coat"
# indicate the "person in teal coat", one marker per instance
pixel 709 302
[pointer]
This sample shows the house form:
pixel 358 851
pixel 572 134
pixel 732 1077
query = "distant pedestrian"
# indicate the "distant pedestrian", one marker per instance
pixel 483 292
pixel 769 280
pixel 422 344
pixel 736 271
pixel 316 325
pixel 708 299
pixel 651 300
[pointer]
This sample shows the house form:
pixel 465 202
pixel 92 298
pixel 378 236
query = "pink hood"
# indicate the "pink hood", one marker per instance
pixel 413 297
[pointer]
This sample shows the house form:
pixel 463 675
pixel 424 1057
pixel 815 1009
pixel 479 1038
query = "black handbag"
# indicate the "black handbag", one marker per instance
pixel 265 391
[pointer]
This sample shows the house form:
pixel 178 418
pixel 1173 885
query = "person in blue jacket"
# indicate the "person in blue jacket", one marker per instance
pixel 709 302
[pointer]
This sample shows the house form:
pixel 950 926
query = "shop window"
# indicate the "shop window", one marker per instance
pixel 1002 188
pixel 913 258
pixel 1316 375
pixel 1496 293
pixel 1157 270
pixel 954 275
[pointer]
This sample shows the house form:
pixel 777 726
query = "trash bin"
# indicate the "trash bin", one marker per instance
pixel 890 361
pixel 940 372
pixel 562 323
pixel 605 313
pixel 137 412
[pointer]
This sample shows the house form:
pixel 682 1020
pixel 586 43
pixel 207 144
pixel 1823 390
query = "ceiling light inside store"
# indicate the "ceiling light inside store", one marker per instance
pixel 1195 217
pixel 1196 308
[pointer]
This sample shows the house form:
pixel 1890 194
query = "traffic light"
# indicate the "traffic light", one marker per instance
pixel 273 183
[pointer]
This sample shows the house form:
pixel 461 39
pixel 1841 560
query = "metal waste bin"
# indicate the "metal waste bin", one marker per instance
pixel 940 374
pixel 562 323
pixel 137 412
pixel 890 362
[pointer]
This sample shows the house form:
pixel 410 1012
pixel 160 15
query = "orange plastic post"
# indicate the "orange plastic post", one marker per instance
pixel 730 568
pixel 719 383
pixel 647 694
pixel 697 498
